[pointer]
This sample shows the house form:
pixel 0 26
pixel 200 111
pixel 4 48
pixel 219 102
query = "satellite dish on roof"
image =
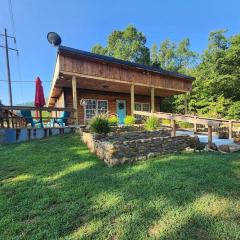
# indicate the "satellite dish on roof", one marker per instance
pixel 54 39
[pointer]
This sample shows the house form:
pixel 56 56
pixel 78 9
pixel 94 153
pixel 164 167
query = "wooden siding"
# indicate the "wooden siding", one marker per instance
pixel 60 103
pixel 111 97
pixel 87 67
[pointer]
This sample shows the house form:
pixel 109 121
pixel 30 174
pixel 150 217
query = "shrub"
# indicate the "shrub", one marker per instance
pixel 234 111
pixel 129 120
pixel 166 122
pixel 99 124
pixel 113 120
pixel 185 125
pixel 151 124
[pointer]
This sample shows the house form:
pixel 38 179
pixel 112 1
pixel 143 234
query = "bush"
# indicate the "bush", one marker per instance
pixel 166 122
pixel 129 120
pixel 99 124
pixel 151 124
pixel 185 125
pixel 234 111
pixel 113 120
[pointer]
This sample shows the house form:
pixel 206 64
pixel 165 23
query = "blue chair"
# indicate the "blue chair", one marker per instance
pixel 26 114
pixel 61 121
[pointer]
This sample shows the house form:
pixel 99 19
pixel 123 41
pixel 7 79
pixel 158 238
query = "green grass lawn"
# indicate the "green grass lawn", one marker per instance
pixel 55 189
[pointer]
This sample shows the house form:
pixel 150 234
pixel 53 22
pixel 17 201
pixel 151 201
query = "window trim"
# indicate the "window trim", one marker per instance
pixel 96 110
pixel 141 103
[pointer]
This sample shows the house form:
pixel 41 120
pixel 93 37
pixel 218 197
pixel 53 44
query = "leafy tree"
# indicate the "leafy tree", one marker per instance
pixel 217 84
pixel 178 58
pixel 216 90
pixel 166 55
pixel 234 111
pixel 99 49
pixel 175 57
pixel 185 59
pixel 129 45
pixel 154 55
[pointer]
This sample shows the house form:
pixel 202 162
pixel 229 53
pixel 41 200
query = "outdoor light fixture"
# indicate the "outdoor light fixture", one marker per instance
pixel 82 102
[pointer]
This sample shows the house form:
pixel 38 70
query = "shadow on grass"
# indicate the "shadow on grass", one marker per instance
pixel 63 191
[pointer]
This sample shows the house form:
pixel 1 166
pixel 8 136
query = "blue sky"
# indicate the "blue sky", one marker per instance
pixel 81 24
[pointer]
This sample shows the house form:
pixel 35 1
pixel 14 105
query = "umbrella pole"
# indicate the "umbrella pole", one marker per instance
pixel 41 123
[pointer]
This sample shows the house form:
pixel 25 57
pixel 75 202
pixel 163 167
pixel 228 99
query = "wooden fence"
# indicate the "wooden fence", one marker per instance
pixel 195 120
pixel 10 116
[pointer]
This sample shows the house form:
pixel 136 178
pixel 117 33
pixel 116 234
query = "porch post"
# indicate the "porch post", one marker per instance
pixel 74 93
pixel 152 100
pixel 173 124
pixel 195 125
pixel 160 103
pixel 209 135
pixel 230 127
pixel 185 103
pixel 132 99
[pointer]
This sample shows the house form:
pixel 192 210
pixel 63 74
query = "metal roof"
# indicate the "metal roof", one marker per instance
pixel 122 62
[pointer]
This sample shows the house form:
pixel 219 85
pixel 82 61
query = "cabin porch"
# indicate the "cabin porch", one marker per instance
pixel 81 76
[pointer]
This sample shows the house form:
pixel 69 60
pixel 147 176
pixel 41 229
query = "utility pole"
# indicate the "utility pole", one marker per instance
pixel 7 63
pixel 8 69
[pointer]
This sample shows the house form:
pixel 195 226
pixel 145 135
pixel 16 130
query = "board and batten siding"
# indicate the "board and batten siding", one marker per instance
pixel 101 69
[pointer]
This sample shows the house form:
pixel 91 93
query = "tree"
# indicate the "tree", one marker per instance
pixel 154 55
pixel 234 111
pixel 99 49
pixel 177 58
pixel 216 90
pixel 185 59
pixel 166 55
pixel 129 45
pixel 218 77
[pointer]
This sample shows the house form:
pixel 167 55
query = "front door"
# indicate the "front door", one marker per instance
pixel 121 110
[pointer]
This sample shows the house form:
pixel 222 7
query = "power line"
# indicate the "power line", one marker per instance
pixel 12 19
pixel 3 80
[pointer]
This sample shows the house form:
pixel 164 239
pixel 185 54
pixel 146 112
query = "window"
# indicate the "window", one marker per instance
pixel 138 107
pixel 141 107
pixel 146 107
pixel 90 108
pixel 102 106
pixel 93 107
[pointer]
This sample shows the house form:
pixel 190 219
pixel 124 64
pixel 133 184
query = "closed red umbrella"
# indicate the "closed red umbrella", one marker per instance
pixel 39 95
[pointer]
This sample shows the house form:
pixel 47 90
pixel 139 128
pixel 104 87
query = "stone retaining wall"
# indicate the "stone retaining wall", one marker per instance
pixel 129 148
pixel 133 135
pixel 125 128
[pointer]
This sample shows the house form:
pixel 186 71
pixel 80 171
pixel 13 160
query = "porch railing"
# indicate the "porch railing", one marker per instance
pixel 10 116
pixel 195 120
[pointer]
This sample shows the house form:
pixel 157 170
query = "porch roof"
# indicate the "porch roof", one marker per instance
pixel 98 72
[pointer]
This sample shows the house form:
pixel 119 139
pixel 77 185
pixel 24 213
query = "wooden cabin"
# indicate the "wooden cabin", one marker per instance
pixel 93 83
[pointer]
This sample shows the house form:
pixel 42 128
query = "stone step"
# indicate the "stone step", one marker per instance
pixel 229 148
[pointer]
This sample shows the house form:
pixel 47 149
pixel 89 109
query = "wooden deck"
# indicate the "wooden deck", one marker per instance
pixel 10 116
